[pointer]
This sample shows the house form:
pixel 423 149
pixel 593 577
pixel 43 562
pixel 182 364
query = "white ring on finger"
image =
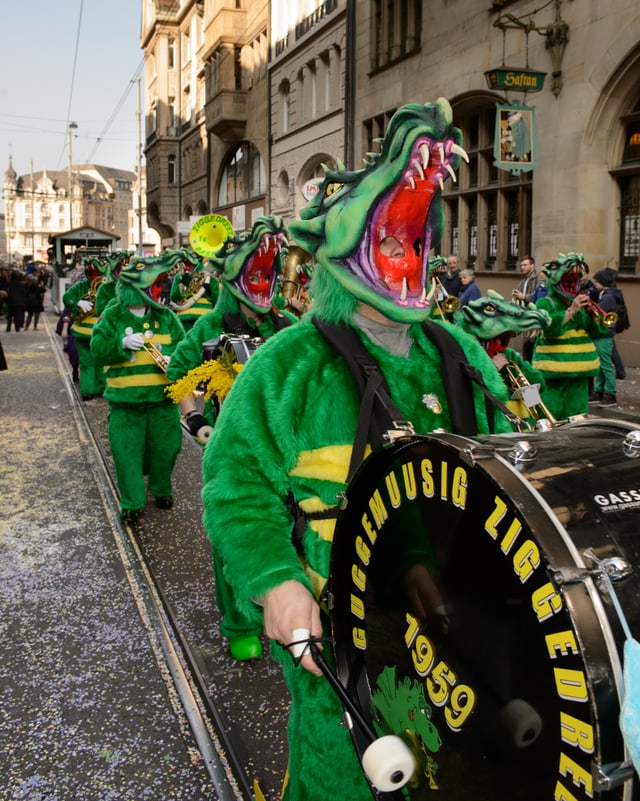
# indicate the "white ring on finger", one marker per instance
pixel 299 648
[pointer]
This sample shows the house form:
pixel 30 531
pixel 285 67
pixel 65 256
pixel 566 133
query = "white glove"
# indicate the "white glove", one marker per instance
pixel 85 305
pixel 133 342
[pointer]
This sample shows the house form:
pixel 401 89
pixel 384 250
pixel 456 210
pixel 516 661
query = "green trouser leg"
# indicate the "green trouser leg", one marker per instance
pixel 92 380
pixel 139 433
pixel 606 379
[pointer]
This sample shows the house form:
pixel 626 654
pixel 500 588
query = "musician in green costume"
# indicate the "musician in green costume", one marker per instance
pixel 285 434
pixel 134 340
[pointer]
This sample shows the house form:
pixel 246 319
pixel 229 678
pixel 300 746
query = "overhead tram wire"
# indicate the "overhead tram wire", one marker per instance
pixel 73 77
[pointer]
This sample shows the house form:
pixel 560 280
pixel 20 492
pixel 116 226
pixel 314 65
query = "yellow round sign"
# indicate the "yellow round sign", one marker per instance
pixel 209 233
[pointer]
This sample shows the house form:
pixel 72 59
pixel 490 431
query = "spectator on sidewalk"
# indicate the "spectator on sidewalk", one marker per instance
pixel 469 289
pixel 524 294
pixel 16 300
pixel 451 280
pixel 35 300
pixel 604 385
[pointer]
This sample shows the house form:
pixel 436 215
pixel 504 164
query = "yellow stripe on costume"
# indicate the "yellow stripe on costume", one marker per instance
pixel 566 367
pixel 567 347
pixel 330 463
pixel 138 380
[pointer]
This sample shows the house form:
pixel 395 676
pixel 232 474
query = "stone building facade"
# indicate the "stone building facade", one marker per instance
pixel 268 93
pixel 40 205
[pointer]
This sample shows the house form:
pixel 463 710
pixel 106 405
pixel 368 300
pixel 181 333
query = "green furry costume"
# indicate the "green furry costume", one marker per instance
pixel 249 268
pixel 494 320
pixel 565 352
pixel 84 293
pixel 288 426
pixel 194 291
pixel 145 435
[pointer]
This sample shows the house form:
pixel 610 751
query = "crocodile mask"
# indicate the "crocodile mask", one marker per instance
pixel 250 263
pixel 116 260
pixel 494 320
pixel 564 275
pixel 140 280
pixel 372 229
pixel 97 267
pixel 185 261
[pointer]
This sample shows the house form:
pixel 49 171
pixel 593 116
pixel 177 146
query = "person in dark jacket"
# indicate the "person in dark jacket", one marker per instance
pixel 16 300
pixel 35 300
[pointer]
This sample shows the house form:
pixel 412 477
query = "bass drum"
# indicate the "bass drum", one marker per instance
pixel 471 614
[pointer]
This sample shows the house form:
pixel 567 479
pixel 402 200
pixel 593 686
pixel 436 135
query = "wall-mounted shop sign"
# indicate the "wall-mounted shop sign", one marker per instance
pixel 514 79
pixel 515 146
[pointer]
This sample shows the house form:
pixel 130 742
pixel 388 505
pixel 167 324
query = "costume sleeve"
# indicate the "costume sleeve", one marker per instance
pixel 74 294
pixel 246 467
pixel 188 355
pixel 106 341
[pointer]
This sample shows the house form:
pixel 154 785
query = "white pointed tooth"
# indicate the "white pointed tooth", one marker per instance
pixel 412 182
pixel 418 167
pixel 459 151
pixel 441 152
pixel 441 182
pixel 424 152
pixel 451 171
pixel 423 295
pixel 405 290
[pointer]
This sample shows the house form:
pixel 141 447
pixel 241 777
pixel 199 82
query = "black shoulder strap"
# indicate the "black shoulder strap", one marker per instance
pixel 457 381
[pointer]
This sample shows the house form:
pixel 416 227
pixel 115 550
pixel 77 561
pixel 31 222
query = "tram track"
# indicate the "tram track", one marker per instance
pixel 184 675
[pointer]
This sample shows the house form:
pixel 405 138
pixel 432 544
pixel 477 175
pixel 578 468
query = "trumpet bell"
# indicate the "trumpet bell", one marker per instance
pixel 450 304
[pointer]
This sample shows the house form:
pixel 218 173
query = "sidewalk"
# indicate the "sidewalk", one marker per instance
pixel 88 712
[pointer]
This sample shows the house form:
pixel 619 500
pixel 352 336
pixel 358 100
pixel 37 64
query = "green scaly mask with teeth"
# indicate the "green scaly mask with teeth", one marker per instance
pixel 140 280
pixel 371 230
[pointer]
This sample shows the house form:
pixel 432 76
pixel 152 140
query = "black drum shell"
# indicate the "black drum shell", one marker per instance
pixel 527 619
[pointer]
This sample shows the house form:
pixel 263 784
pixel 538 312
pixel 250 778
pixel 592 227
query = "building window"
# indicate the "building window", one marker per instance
pixel 171 53
pixel 285 105
pixel 397 30
pixel 171 169
pixel 628 177
pixel 488 211
pixel 243 176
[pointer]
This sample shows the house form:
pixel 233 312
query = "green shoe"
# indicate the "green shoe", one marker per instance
pixel 247 646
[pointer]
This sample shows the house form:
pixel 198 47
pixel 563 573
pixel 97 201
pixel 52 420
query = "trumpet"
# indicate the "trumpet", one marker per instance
pixel 607 319
pixel 158 357
pixel 529 394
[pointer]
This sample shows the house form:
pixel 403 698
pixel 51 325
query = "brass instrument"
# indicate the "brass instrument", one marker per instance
pixel 90 296
pixel 290 284
pixel 158 357
pixel 607 319
pixel 524 391
pixel 193 292
pixel 449 303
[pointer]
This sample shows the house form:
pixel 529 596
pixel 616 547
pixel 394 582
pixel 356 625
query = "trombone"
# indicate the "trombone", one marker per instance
pixel 525 391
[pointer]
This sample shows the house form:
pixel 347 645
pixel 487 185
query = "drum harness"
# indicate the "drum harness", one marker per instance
pixel 380 420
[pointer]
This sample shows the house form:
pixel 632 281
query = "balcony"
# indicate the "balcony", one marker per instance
pixel 228 25
pixel 227 114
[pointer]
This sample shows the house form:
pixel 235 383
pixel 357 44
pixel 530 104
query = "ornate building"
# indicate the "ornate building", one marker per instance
pixel 39 205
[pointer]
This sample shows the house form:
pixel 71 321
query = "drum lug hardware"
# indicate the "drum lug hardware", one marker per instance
pixel 606 777
pixel 569 575
pixel 341 500
pixel 631 445
pixel 615 567
pixel 401 428
pixel 522 452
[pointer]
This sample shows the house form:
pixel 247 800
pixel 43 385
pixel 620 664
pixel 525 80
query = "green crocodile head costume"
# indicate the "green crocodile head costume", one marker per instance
pixel 371 230
pixel 494 320
pixel 97 267
pixel 140 281
pixel 249 264
pixel 185 260
pixel 564 274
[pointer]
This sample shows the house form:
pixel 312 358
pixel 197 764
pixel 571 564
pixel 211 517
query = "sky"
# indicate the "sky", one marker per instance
pixel 70 61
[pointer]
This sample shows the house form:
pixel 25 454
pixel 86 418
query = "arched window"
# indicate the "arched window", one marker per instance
pixel 488 211
pixel 243 176
pixel 628 176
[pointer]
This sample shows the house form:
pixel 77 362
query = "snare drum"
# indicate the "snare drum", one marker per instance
pixel 236 347
pixel 469 613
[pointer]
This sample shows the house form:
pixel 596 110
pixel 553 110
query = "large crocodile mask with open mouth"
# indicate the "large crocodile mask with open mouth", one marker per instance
pixel 373 229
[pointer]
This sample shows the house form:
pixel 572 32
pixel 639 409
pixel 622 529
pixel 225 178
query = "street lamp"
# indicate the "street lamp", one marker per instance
pixel 72 126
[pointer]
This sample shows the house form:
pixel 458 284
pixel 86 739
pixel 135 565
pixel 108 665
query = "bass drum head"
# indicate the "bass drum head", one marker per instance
pixel 463 617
